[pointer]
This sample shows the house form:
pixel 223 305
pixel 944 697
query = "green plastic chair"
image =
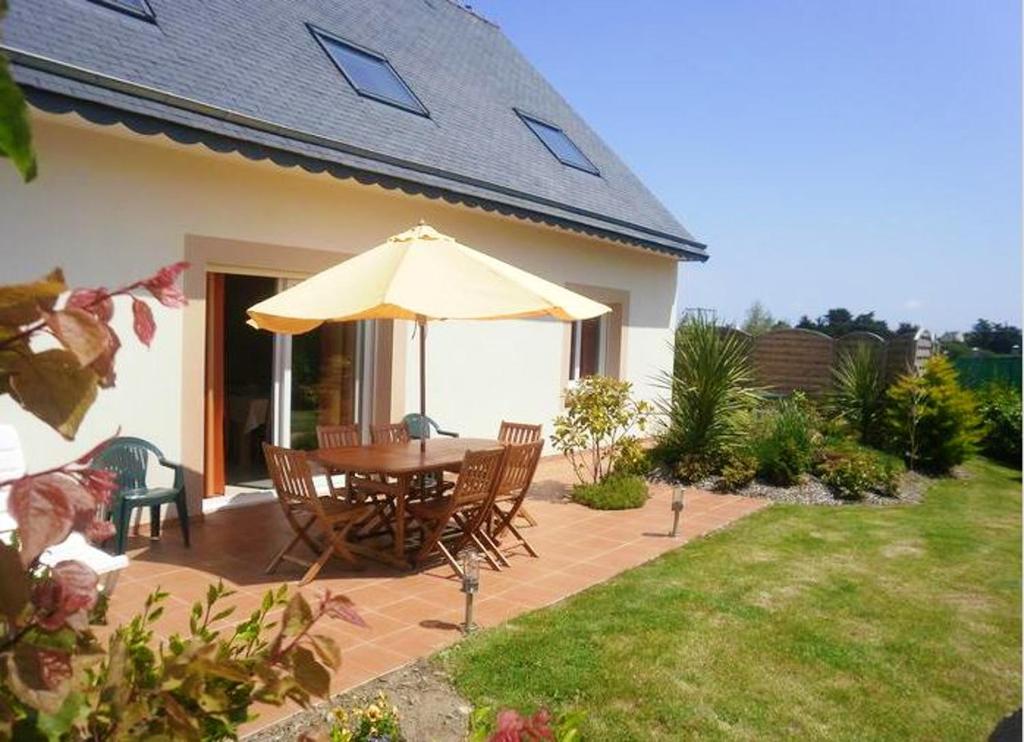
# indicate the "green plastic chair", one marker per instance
pixel 420 426
pixel 128 458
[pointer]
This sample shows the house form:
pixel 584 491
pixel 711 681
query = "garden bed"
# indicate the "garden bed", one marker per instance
pixel 811 491
pixel 429 708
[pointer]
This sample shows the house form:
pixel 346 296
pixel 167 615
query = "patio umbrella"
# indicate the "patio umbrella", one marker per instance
pixel 419 275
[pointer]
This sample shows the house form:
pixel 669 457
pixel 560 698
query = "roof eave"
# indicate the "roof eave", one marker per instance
pixel 407 176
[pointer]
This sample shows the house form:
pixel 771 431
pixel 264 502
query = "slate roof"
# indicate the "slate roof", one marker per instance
pixel 249 77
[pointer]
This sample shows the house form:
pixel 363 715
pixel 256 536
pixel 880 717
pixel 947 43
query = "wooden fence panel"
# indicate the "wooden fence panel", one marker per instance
pixel 851 343
pixel 908 353
pixel 786 360
pixel 790 359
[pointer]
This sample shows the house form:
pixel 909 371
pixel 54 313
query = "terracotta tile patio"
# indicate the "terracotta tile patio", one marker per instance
pixel 411 615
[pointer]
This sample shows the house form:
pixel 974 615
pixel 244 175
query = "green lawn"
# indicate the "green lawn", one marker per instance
pixel 852 623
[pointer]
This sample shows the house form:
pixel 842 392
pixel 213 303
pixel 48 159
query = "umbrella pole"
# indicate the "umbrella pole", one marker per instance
pixel 423 381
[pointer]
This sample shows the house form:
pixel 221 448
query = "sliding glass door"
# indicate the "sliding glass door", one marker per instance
pixel 318 382
pixel 276 388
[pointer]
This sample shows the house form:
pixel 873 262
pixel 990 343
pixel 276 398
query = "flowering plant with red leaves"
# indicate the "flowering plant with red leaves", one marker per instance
pixel 510 725
pixel 56 680
pixel 45 611
pixel 514 727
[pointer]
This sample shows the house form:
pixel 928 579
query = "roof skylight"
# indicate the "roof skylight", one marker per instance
pixel 559 144
pixel 369 73
pixel 137 8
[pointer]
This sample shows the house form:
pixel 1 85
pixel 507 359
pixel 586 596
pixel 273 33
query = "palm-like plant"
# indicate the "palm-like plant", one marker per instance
pixel 711 390
pixel 858 393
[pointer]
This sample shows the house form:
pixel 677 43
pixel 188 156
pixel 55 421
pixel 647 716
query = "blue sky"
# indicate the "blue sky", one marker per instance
pixel 857 153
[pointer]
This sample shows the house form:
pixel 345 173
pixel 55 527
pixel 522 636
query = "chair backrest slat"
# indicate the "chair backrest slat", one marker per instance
pixel 478 476
pixel 128 458
pixel 517 433
pixel 518 469
pixel 391 433
pixel 292 478
pixel 338 436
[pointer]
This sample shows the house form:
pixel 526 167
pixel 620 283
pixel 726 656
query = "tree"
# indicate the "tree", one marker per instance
pixel 758 320
pixel 907 328
pixel 994 336
pixel 840 321
pixel 598 426
pixel 931 420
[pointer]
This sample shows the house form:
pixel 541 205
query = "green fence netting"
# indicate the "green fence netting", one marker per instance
pixel 977 372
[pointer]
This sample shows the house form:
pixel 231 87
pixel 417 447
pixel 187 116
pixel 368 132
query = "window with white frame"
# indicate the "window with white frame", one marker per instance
pixel 588 349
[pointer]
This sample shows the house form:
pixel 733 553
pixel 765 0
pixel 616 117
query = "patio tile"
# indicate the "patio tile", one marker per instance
pixel 377 626
pixel 374 597
pixel 373 658
pixel 562 583
pixel 531 596
pixel 417 641
pixel 413 614
pixel 496 610
pixel 414 610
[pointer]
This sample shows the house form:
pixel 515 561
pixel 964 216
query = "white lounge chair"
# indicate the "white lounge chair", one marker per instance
pixel 74 547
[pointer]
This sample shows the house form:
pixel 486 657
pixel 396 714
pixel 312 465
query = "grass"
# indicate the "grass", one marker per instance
pixel 841 623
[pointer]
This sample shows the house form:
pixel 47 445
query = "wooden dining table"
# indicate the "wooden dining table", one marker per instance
pixel 403 462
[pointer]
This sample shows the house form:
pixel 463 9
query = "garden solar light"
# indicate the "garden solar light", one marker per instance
pixel 677 509
pixel 469 560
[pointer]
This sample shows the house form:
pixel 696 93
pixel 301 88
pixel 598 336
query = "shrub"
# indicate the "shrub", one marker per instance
pixel 931 420
pixel 709 391
pixel 850 469
pixel 848 476
pixel 617 492
pixel 633 458
pixel 858 393
pixel 57 681
pixel 784 441
pixel 890 478
pixel 1000 408
pixel 739 472
pixel 600 418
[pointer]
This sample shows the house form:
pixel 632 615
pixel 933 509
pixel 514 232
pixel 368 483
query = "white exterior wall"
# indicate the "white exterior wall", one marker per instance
pixel 110 207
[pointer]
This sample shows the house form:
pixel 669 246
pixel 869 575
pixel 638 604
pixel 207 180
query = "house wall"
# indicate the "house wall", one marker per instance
pixel 110 206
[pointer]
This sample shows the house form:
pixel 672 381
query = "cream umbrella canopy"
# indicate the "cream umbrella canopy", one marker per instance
pixel 419 275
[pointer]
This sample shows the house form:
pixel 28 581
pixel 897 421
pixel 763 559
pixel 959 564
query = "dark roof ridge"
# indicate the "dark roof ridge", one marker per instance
pixel 471 11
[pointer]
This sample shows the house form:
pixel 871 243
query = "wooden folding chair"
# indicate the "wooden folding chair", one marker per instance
pixel 516 476
pixel 516 434
pixel 390 433
pixel 338 436
pixel 293 480
pixel 358 489
pixel 463 512
pixel 430 484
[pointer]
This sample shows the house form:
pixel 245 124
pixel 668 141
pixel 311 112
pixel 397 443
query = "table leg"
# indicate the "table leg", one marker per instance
pixel 403 491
